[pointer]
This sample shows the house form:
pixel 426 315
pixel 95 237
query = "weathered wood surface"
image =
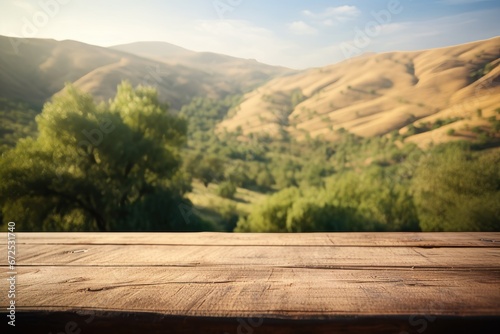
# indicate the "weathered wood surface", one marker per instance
pixel 270 239
pixel 256 283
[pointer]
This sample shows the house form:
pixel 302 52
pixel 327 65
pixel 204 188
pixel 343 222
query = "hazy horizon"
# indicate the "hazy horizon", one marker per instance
pixel 299 35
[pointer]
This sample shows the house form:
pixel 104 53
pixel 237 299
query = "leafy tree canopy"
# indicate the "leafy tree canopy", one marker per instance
pixel 458 190
pixel 100 167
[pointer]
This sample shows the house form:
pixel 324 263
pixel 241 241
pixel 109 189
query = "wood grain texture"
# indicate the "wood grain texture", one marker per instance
pixel 285 256
pixel 230 283
pixel 392 239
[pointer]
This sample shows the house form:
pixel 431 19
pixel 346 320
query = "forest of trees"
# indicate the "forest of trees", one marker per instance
pixel 129 164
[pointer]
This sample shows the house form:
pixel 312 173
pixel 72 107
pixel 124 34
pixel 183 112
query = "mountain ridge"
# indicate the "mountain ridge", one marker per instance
pixel 41 67
pixel 248 70
pixel 423 95
pixel 377 94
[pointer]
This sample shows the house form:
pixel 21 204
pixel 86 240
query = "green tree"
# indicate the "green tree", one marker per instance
pixel 207 169
pixel 458 190
pixel 17 120
pixel 226 190
pixel 270 216
pixel 99 167
pixel 377 194
pixel 264 179
pixel 307 215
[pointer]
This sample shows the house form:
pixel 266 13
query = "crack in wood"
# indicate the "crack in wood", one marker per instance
pixel 489 240
pixel 77 251
pixel 151 284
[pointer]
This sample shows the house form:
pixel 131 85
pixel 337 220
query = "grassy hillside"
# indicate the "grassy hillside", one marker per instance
pixel 377 94
pixel 354 183
pixel 41 67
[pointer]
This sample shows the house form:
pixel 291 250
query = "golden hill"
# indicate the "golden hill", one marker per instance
pixel 378 93
pixel 41 67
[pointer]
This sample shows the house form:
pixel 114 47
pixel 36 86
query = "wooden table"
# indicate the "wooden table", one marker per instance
pixel 80 283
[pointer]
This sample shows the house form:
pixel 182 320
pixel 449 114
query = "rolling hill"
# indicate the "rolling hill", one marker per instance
pixel 243 74
pixel 428 96
pixel 41 67
pixel 422 94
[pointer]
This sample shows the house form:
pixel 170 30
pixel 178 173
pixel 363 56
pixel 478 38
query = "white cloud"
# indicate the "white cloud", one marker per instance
pixel 391 28
pixel 238 38
pixel 437 32
pixel 461 2
pixel 332 15
pixel 301 28
pixel 230 28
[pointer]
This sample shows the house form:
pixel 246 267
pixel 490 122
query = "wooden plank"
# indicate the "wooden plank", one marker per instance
pixel 476 239
pixel 284 256
pixel 287 283
pixel 259 291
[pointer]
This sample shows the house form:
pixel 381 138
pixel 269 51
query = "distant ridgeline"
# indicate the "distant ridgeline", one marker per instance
pixel 35 69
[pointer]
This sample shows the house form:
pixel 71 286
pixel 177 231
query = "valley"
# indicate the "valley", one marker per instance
pixel 397 141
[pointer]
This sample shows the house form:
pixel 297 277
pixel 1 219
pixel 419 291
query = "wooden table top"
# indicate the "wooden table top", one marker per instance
pixel 254 283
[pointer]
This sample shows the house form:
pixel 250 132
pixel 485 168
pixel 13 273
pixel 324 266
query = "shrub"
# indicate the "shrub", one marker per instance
pixel 226 190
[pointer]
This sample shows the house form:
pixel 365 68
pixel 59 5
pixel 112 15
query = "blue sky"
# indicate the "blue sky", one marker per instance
pixel 293 33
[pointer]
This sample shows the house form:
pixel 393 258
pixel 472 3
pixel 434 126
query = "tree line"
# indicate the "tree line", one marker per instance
pixel 128 164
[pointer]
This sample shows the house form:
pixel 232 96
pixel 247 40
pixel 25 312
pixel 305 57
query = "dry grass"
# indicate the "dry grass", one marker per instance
pixel 42 67
pixel 376 94
pixel 206 197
